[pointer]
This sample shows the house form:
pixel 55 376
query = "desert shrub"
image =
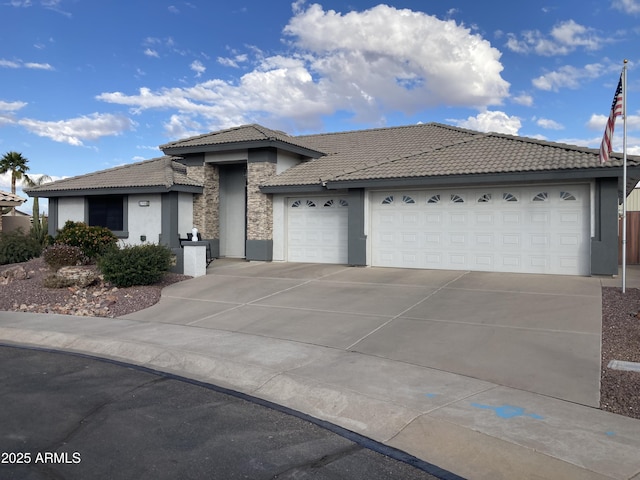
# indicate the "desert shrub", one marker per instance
pixel 39 228
pixel 62 255
pixel 94 241
pixel 135 265
pixel 17 247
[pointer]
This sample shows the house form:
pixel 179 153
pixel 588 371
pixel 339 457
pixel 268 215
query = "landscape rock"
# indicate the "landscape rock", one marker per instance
pixel 13 273
pixel 80 276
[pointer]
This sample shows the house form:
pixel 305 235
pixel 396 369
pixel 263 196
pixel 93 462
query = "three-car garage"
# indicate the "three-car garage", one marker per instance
pixel 528 229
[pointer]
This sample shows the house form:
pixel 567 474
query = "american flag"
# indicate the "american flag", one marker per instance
pixel 616 110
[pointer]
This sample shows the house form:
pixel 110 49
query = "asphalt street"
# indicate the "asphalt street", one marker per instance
pixel 66 416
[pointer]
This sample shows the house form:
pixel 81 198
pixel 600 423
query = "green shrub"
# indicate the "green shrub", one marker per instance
pixel 16 247
pixel 62 255
pixel 94 241
pixel 135 265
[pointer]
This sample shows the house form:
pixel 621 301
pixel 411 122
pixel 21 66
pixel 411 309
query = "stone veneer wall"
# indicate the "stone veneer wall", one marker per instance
pixel 259 205
pixel 206 211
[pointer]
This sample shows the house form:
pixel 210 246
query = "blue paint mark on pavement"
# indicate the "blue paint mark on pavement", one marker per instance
pixel 430 395
pixel 610 434
pixel 508 411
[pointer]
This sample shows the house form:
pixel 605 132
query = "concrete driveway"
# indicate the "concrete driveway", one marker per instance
pixel 538 333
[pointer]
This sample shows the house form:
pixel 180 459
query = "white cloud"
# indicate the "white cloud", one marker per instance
pixel 11 106
pixel 549 124
pixel 149 52
pixel 563 39
pixel 180 126
pixel 8 63
pixel 491 121
pixel 75 130
pixel 234 61
pixel 568 77
pixel 627 6
pixel 173 9
pixel 524 100
pixel 38 66
pixel 341 62
pixel 198 67
pixel 20 64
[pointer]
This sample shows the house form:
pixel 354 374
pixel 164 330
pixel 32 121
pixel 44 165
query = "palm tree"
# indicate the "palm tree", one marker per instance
pixel 15 163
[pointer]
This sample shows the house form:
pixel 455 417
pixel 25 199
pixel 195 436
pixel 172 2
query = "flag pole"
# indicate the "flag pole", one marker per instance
pixel 624 177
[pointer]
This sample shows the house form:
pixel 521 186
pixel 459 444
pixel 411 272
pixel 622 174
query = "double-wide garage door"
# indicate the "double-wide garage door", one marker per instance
pixel 522 229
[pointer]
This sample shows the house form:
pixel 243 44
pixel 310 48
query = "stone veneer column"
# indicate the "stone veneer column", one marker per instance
pixel 261 166
pixel 206 212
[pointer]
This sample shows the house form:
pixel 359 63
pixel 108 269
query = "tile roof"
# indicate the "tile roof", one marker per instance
pixel 9 199
pixel 486 153
pixel 241 134
pixel 355 150
pixel 433 150
pixel 158 172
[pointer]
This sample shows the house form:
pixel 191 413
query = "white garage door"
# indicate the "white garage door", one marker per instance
pixel 317 229
pixel 541 229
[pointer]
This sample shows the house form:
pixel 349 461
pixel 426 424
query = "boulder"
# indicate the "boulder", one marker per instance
pixel 80 276
pixel 13 273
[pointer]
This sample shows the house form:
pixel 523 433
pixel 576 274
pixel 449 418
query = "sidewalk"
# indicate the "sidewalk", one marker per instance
pixel 473 428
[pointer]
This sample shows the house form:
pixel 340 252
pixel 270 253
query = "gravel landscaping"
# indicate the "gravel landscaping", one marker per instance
pixel 620 390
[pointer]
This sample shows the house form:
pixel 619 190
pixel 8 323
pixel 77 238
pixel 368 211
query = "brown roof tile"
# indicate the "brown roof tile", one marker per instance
pixel 157 172
pixel 486 153
pixel 10 199
pixel 356 150
pixel 243 133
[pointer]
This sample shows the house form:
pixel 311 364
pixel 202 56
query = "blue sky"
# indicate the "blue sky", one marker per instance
pixel 91 85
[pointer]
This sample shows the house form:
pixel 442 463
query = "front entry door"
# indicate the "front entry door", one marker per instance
pixel 233 187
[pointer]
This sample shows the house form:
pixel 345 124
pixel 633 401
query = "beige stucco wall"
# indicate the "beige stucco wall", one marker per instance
pixel 144 221
pixel 11 223
pixel 70 208
pixel 185 214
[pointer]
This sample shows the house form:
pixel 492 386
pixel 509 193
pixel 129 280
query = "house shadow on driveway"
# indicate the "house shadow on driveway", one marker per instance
pixel 538 333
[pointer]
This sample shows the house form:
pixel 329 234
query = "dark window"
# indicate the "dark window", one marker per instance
pixel 107 212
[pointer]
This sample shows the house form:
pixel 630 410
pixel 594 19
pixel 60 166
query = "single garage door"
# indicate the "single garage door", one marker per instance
pixel 317 229
pixel 543 229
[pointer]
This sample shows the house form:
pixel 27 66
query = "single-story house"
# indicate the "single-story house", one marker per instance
pixel 8 202
pixel 419 196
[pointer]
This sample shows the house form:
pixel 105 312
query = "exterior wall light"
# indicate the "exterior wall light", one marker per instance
pixel 143 203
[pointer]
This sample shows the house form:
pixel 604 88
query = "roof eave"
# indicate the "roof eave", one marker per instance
pixel 317 187
pixel 481 178
pixel 222 147
pixel 82 192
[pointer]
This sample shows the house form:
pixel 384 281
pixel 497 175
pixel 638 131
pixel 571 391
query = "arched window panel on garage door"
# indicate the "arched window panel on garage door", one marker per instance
pixel 567 196
pixel 540 197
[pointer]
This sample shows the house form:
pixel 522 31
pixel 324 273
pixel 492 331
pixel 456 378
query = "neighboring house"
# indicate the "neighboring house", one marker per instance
pixel 420 196
pixel 8 200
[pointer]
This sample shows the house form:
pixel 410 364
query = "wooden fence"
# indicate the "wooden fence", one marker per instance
pixel 633 239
